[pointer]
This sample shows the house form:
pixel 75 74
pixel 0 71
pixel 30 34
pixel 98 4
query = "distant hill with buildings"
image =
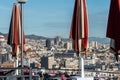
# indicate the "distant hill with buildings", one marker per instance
pixel 98 39
pixel 36 37
pixel 3 34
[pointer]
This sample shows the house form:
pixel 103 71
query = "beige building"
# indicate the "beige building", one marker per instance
pixel 68 45
pixel 8 64
pixel 70 63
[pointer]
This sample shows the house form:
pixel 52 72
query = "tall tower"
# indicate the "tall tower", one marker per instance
pixel 58 39
pixel 95 44
pixel 49 43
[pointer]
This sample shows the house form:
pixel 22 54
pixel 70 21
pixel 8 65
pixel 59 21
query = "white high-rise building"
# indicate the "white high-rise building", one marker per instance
pixel 94 44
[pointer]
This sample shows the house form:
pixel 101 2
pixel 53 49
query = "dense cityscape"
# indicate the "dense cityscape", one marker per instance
pixel 57 54
pixel 31 57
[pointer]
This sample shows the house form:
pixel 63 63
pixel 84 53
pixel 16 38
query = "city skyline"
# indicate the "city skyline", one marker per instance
pixel 50 17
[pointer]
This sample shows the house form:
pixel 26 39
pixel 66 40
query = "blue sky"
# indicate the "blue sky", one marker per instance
pixel 53 17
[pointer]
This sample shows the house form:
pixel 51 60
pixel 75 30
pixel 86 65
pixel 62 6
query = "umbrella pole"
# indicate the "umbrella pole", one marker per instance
pixel 17 59
pixel 21 36
pixel 22 71
pixel 82 65
pixel 16 66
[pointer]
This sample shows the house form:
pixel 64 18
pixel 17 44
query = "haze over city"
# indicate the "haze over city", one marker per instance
pixel 53 17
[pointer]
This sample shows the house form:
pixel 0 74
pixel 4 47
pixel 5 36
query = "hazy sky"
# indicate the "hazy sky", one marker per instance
pixel 53 17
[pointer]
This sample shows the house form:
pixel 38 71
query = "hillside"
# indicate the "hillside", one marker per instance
pixel 36 37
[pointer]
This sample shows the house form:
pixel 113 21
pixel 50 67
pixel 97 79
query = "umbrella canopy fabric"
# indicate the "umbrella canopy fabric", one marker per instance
pixel 14 34
pixel 113 27
pixel 79 27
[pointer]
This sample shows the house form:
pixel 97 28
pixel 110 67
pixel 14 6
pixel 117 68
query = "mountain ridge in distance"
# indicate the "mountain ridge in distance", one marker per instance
pixel 36 37
pixel 98 39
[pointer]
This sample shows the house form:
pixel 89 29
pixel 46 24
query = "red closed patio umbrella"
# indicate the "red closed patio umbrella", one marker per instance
pixel 113 27
pixel 14 34
pixel 79 27
pixel 79 30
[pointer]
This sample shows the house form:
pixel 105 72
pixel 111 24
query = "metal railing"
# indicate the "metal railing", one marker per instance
pixel 9 73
